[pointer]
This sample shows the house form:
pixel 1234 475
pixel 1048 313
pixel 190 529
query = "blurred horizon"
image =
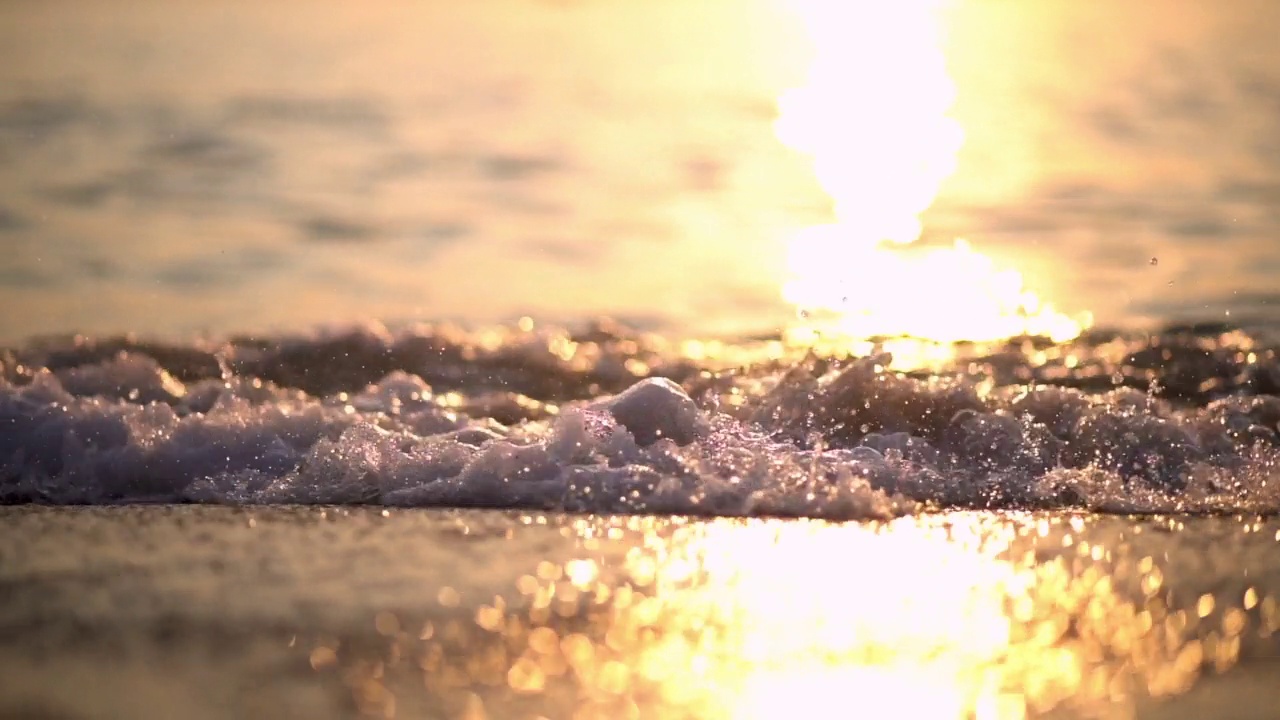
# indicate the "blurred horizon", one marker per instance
pixel 709 167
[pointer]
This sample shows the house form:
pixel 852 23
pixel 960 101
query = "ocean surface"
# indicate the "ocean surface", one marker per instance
pixel 639 360
pixel 179 168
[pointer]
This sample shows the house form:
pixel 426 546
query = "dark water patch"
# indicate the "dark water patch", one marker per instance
pixel 100 268
pixel 1116 254
pixel 38 118
pixel 10 221
pixel 1258 299
pixel 1017 221
pixel 521 199
pixel 1248 191
pixel 204 167
pixel 1115 124
pixel 227 269
pixel 1175 86
pixel 87 194
pixel 1050 210
pixel 188 275
pixel 1074 192
pixel 1199 228
pixel 331 229
pixel 25 278
pixel 518 167
pixel 444 232
pixel 402 164
pixel 208 149
pixel 360 115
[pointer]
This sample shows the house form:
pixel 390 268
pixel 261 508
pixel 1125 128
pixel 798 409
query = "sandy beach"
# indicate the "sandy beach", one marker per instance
pixel 328 612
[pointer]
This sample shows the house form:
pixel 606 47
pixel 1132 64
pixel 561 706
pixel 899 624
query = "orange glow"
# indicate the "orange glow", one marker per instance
pixel 911 643
pixel 873 117
pixel 921 619
pixel 973 616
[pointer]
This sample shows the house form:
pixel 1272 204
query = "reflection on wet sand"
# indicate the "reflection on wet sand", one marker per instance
pixel 961 615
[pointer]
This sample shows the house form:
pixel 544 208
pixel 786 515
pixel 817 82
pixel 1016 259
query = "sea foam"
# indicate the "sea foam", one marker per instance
pixel 608 420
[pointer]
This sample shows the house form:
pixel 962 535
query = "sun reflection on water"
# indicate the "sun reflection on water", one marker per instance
pixel 957 617
pixel 962 615
pixel 873 118
pixel 908 624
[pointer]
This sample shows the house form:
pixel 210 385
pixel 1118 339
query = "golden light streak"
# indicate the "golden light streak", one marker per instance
pixel 897 648
pixel 972 616
pixel 873 117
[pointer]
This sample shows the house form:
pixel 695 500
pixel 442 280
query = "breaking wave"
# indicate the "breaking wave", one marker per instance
pixel 611 420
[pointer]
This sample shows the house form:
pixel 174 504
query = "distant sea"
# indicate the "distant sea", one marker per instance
pixel 183 168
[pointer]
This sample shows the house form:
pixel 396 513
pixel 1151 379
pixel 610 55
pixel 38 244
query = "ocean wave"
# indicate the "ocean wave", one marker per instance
pixel 611 420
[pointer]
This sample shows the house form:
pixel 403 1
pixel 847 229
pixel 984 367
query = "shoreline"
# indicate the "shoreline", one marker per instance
pixel 168 594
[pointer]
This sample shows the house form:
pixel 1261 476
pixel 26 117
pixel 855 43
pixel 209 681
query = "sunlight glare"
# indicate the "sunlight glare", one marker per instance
pixel 873 118
pixel 878 634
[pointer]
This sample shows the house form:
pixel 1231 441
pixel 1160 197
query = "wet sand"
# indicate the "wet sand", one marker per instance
pixel 217 612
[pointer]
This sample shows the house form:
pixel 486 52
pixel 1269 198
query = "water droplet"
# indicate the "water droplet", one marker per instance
pixel 803 314
pixel 1155 260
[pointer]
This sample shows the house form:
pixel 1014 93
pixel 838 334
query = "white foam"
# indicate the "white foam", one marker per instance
pixel 842 441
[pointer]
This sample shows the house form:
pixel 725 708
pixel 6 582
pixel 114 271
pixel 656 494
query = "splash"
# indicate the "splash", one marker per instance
pixel 613 421
pixel 873 117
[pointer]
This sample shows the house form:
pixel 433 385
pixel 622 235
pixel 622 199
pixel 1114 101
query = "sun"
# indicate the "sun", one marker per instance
pixel 873 117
